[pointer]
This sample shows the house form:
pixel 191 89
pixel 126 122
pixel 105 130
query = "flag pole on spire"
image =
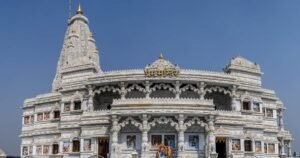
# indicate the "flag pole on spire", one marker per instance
pixel 70 9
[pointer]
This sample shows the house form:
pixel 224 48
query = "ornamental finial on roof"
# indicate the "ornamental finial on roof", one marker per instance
pixel 79 10
pixel 161 56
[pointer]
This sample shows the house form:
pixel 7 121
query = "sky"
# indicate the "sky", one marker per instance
pixel 195 34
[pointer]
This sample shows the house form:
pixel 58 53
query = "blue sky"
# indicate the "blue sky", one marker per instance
pixel 196 34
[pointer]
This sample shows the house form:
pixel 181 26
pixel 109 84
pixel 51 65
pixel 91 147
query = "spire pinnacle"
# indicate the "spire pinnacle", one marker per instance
pixel 79 10
pixel 161 56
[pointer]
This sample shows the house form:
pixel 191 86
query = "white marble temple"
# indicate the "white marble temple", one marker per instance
pixel 162 109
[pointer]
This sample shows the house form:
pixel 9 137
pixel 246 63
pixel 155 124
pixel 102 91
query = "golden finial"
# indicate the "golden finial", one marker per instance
pixel 79 10
pixel 161 56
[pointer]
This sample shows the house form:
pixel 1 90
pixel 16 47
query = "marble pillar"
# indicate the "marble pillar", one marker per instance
pixel 90 99
pixel 145 129
pixel 211 138
pixel 281 123
pixel 114 137
pixel 180 130
pixel 283 154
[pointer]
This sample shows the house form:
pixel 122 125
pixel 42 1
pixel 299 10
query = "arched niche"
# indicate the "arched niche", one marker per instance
pixel 163 130
pixel 163 125
pixel 130 133
pixel 189 91
pixel 189 95
pixel 162 90
pixel 135 91
pixel 221 100
pixel 130 128
pixel 103 100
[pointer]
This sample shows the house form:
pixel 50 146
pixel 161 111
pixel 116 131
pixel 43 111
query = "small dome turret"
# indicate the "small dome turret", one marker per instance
pixel 241 64
pixel 245 70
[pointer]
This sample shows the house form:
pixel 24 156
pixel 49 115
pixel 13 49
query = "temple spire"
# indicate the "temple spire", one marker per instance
pixel 79 10
pixel 79 54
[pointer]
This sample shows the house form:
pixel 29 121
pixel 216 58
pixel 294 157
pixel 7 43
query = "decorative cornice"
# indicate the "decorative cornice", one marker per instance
pixel 43 98
pixel 167 101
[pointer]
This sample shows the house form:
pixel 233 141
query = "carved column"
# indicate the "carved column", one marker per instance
pixel 283 154
pixel 180 130
pixel 90 99
pixel 147 87
pixel 233 106
pixel 290 149
pixel 202 92
pixel 262 146
pixel 234 99
pixel 281 123
pixel 177 88
pixel 211 138
pixel 145 129
pixel 72 105
pixel 253 145
pixel 229 144
pixel 123 90
pixel 114 137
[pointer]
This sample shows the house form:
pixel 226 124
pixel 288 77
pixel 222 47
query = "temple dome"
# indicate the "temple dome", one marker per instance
pixel 161 64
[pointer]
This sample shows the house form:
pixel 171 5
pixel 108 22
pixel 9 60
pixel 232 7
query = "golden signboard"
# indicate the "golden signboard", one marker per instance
pixel 162 73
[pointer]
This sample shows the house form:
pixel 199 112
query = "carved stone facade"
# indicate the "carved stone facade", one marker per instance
pixel 159 111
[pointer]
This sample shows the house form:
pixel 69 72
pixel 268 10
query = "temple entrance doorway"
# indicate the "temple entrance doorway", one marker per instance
pixel 103 146
pixel 221 147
